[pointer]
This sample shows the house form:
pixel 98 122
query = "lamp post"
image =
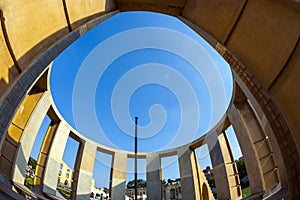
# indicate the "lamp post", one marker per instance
pixel 135 159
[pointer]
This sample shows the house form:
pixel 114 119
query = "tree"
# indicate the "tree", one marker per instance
pixel 140 183
pixel 211 182
pixel 106 190
pixel 32 162
pixel 240 163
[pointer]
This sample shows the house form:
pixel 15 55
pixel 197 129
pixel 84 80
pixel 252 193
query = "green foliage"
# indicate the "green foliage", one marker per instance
pixel 241 168
pixel 211 182
pixel 246 192
pixel 164 182
pixel 29 182
pixel 106 190
pixel 65 193
pixel 32 162
pixel 140 183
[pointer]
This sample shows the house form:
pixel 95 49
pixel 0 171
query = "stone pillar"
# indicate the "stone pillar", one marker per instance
pixel 153 169
pixel 118 176
pixel 188 173
pixel 54 159
pixel 43 155
pixel 268 131
pixel 258 154
pixel 28 137
pixel 83 171
pixel 225 171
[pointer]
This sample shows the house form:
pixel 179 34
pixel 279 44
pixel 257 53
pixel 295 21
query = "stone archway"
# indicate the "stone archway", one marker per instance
pixel 205 195
pixel 268 75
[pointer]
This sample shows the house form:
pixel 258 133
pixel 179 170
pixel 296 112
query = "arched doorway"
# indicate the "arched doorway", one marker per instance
pixel 204 192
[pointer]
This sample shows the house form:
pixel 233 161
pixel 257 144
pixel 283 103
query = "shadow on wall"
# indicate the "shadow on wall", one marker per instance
pixel 205 192
pixel 5 174
pixel 87 19
pixel 8 153
pixel 36 53
pixel 110 5
pixel 118 191
pixel 10 73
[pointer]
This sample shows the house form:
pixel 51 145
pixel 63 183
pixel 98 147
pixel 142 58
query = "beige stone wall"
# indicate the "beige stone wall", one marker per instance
pixel 80 10
pixel 260 38
pixel 286 91
pixel 264 39
pixel 33 26
pixel 30 22
pixel 264 35
pixel 7 73
pixel 214 16
pixel 170 7
pixel 255 92
pixel 15 132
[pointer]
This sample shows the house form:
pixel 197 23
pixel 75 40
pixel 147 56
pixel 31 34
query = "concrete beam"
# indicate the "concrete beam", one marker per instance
pixel 154 185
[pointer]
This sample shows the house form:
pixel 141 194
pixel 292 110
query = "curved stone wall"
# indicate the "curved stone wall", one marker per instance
pixel 258 38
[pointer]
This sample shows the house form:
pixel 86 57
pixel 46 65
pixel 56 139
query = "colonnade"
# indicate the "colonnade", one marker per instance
pixel 255 126
pixel 264 170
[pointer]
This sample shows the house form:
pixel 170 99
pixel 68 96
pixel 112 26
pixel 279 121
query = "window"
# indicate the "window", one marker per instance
pixel 172 193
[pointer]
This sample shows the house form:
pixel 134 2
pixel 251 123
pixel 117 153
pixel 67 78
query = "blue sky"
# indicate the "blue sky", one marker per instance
pixel 141 64
pixel 147 65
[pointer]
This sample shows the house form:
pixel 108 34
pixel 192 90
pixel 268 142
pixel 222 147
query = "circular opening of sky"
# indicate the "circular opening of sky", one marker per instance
pixel 141 64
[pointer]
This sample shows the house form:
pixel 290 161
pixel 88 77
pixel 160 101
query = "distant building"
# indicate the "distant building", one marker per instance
pixel 65 175
pixel 172 190
pixel 98 193
pixel 30 171
pixel 141 193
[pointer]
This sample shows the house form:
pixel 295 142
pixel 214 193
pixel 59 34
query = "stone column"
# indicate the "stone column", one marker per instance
pixel 28 137
pixel 83 171
pixel 258 154
pixel 272 140
pixel 118 176
pixel 43 155
pixel 54 159
pixel 188 173
pixel 225 171
pixel 153 169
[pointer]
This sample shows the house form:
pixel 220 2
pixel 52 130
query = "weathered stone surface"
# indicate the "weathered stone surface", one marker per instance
pixel 28 137
pixel 118 182
pixel 153 177
pixel 263 34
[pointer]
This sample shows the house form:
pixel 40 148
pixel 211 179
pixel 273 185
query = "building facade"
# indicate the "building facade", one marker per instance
pixel 172 190
pixel 65 175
